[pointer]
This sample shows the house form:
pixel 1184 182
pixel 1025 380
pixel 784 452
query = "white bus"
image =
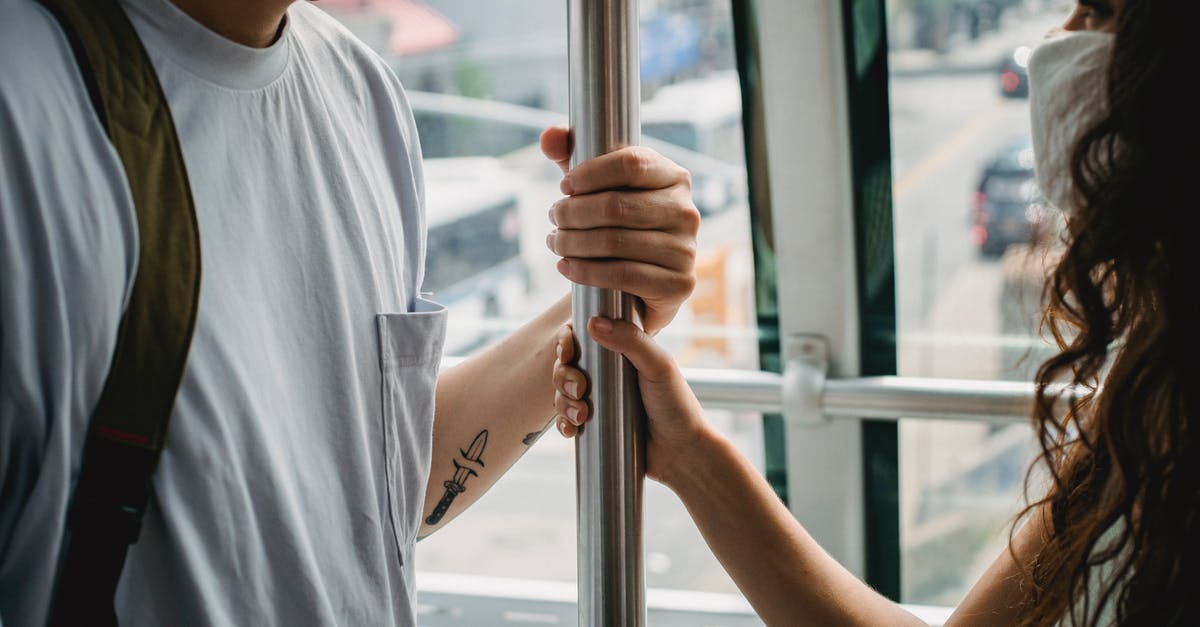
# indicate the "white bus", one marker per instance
pixel 473 262
pixel 703 114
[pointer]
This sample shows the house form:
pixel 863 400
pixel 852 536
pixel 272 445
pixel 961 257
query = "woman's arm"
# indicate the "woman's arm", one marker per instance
pixel 995 599
pixel 780 569
pixel 787 577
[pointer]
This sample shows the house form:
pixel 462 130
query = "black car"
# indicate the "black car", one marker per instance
pixel 1014 73
pixel 1008 209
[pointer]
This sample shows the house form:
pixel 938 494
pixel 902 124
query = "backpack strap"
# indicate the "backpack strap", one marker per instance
pixel 129 424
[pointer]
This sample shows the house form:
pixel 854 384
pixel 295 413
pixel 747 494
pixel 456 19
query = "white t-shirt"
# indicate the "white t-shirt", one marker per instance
pixel 290 489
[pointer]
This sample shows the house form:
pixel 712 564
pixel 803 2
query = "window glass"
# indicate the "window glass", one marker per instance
pixel 484 79
pixel 970 232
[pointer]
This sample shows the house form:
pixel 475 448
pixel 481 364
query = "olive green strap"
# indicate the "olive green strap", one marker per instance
pixel 129 424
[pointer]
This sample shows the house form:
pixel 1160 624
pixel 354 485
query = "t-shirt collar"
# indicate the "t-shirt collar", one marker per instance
pixel 165 28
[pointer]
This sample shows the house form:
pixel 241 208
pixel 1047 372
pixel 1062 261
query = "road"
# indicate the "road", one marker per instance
pixel 949 308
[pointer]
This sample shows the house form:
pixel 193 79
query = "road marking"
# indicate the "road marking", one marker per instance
pixel 945 151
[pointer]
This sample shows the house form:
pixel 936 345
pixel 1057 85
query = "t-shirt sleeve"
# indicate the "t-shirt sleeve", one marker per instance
pixel 412 148
pixel 19 305
pixel 67 258
pixel 401 144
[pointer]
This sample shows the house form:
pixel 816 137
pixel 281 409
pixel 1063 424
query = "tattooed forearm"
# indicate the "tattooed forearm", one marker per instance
pixel 465 466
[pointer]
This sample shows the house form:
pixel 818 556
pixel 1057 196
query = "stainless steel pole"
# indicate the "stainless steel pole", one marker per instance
pixel 605 89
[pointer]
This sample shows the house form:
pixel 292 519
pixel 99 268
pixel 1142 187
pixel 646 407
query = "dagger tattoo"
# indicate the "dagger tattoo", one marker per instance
pixel 464 467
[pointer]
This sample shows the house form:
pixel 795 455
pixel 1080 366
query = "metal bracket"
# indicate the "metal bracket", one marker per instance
pixel 806 364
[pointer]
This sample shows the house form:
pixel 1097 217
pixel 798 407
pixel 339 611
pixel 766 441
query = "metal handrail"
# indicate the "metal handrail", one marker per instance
pixel 806 396
pixel 881 398
pixel 888 397
pixel 743 390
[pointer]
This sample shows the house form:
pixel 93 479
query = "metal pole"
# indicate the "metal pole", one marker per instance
pixel 609 453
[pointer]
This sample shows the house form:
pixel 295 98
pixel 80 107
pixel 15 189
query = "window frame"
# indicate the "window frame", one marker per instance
pixel 814 81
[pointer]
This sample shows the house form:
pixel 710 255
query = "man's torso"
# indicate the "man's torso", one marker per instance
pixel 288 489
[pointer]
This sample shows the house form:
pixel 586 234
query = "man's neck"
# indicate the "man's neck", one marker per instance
pixel 254 23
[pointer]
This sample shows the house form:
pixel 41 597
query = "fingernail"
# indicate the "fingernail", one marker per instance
pixel 550 240
pixel 573 414
pixel 566 186
pixel 561 423
pixel 564 268
pixel 572 389
pixel 603 325
pixel 558 350
pixel 550 215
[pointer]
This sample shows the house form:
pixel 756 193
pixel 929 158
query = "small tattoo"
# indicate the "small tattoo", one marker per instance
pixel 464 467
pixel 537 435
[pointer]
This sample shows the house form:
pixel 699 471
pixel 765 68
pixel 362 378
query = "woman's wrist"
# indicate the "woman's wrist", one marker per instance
pixel 693 458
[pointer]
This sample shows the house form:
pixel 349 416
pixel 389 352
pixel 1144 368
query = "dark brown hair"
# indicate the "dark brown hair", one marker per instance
pixel 1123 460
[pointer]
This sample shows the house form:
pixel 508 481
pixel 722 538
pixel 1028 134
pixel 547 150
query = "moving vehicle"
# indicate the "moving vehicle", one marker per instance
pixel 1009 209
pixel 1014 73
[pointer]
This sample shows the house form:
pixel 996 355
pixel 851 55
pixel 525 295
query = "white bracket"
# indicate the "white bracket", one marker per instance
pixel 806 364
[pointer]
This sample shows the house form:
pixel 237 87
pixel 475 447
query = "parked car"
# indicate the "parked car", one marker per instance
pixel 1014 73
pixel 1008 208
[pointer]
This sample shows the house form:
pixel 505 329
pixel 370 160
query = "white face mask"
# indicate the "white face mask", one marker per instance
pixel 1067 75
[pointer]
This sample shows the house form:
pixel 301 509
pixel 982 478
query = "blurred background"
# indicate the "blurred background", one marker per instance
pixel 484 78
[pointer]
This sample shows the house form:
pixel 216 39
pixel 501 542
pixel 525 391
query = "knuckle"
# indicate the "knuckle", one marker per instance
pixel 636 162
pixel 691 218
pixel 614 240
pixel 623 273
pixel 616 208
pixel 561 212
pixel 581 271
pixel 684 176
pixel 690 250
pixel 683 284
pixel 565 243
pixel 689 215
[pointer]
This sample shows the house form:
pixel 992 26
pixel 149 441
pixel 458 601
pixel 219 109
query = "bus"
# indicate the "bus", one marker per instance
pixel 473 262
pixel 700 114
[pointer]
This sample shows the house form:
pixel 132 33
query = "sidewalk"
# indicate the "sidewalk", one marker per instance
pixel 981 55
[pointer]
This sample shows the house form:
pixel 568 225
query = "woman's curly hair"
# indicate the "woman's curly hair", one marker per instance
pixel 1123 461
